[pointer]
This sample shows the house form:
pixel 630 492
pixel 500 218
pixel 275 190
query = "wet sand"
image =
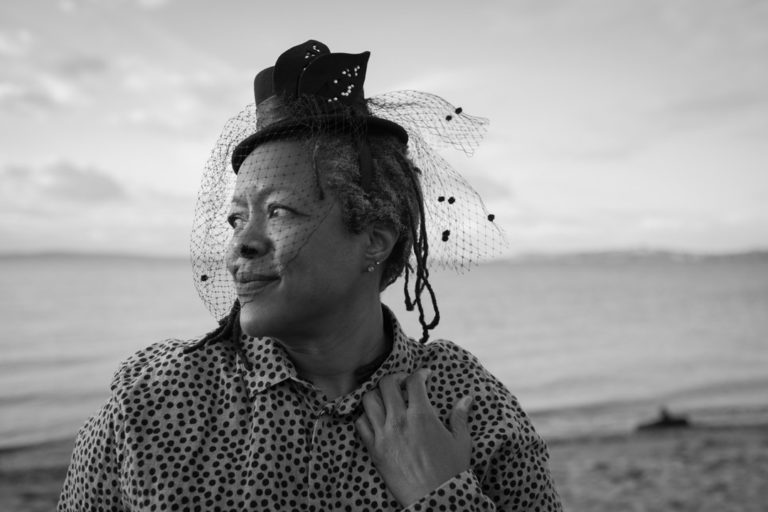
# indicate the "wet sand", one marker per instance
pixel 694 469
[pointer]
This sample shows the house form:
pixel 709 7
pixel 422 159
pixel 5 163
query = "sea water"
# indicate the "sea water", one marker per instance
pixel 589 344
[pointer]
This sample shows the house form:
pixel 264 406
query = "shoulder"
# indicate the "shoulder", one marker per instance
pixel 167 363
pixel 447 357
pixel 507 452
pixel 463 368
pixel 458 372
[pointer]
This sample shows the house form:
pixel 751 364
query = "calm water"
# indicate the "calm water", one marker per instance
pixel 591 344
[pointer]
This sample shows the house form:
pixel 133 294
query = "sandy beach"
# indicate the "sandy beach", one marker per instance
pixel 694 469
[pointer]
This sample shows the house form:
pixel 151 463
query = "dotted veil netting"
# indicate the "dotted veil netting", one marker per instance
pixel 449 224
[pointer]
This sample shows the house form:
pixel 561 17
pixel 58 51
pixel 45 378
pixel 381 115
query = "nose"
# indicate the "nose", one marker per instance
pixel 249 251
pixel 249 244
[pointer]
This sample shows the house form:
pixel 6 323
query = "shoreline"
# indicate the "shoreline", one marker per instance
pixel 696 468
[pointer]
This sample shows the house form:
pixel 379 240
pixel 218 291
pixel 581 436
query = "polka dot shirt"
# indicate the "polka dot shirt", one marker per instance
pixel 199 431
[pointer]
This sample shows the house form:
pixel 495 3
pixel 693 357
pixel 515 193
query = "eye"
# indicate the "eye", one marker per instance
pixel 235 220
pixel 276 210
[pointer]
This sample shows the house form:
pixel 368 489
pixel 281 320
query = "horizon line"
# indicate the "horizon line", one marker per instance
pixel 544 254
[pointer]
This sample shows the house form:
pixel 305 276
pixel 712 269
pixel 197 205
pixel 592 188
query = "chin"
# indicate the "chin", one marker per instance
pixel 256 321
pixel 260 320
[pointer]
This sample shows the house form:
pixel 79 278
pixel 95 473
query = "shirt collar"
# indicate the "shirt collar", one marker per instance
pixel 271 366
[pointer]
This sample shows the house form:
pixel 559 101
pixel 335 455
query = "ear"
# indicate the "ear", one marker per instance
pixel 381 238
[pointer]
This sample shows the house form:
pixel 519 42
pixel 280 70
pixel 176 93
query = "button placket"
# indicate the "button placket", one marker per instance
pixel 315 470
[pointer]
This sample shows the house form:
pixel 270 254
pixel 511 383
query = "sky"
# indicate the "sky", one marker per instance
pixel 614 124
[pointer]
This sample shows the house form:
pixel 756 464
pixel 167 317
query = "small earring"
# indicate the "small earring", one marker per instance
pixel 372 266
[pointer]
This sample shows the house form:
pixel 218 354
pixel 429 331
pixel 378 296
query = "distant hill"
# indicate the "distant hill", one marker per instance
pixel 61 255
pixel 637 255
pixel 567 257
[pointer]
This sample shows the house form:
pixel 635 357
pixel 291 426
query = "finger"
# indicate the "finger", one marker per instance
pixel 391 394
pixel 460 418
pixel 417 389
pixel 374 409
pixel 365 431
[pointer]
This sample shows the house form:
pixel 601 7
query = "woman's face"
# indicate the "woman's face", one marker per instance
pixel 293 261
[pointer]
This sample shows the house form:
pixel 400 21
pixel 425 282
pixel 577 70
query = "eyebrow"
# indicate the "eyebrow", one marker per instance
pixel 239 200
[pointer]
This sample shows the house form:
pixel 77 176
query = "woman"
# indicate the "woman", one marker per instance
pixel 309 396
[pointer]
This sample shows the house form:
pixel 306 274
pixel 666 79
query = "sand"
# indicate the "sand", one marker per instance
pixel 31 477
pixel 694 469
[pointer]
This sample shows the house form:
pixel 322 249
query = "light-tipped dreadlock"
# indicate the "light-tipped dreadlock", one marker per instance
pixel 420 252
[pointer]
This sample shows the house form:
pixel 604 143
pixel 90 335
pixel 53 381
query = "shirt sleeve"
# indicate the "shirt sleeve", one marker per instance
pixel 518 482
pixel 93 477
pixel 510 468
pixel 96 479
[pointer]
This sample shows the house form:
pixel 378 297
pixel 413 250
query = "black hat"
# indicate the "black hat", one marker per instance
pixel 311 90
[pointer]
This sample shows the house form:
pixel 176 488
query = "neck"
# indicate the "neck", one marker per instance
pixel 337 346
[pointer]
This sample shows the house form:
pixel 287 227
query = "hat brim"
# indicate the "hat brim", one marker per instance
pixel 330 124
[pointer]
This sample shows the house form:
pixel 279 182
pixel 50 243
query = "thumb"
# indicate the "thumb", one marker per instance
pixel 460 418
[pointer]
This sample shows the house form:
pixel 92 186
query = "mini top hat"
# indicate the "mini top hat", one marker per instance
pixel 311 90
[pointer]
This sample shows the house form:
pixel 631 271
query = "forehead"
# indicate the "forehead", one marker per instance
pixel 278 164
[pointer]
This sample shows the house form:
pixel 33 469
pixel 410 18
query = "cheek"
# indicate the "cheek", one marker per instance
pixel 289 241
pixel 231 254
pixel 292 240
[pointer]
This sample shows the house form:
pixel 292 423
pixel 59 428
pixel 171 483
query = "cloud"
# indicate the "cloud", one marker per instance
pixel 44 82
pixel 717 108
pixel 67 5
pixel 22 97
pixel 532 228
pixel 152 4
pixel 73 5
pixel 15 43
pixel 172 99
pixel 602 151
pixel 38 74
pixel 65 206
pixel 81 67
pixel 39 91
pixel 51 187
pixel 141 76
pixel 726 101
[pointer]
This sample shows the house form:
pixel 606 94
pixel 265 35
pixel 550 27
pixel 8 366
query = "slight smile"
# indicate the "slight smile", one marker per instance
pixel 253 285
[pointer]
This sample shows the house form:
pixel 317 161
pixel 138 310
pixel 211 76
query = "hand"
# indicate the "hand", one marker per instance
pixel 411 448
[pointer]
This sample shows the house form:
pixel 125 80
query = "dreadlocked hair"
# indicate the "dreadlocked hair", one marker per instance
pixel 393 197
pixel 228 332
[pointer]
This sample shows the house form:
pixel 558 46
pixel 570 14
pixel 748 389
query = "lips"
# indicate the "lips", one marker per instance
pixel 247 285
